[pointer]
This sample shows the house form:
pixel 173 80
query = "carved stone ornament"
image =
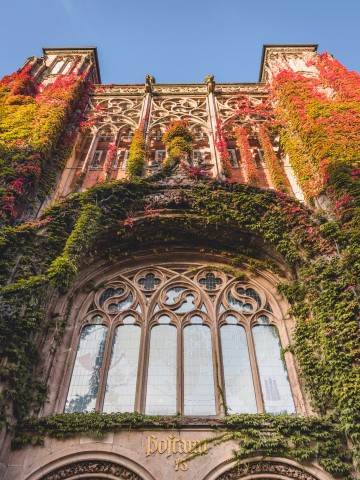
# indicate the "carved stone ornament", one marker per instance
pixel 92 467
pixel 210 83
pixel 149 81
pixel 122 89
pixel 115 111
pixel 242 88
pixel 193 109
pixel 274 468
pixel 277 59
pixel 179 89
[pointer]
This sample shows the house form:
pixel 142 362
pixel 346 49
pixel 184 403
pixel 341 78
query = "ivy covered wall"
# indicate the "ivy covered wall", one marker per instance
pixel 38 128
pixel 318 120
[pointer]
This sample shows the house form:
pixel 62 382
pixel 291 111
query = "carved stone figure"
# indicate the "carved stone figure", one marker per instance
pixel 149 81
pixel 210 83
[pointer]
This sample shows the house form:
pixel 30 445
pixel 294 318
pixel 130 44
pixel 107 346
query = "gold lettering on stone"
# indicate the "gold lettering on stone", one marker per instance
pixel 183 465
pixel 162 446
pixel 174 446
pixel 151 445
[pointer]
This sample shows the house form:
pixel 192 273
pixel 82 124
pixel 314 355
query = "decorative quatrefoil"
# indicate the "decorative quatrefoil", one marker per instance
pixel 210 282
pixel 149 282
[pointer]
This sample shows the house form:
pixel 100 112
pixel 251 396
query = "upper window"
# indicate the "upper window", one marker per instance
pixel 61 65
pixel 232 157
pixel 125 160
pixel 198 157
pixel 95 161
pixel 189 340
pixel 160 156
pixel 57 66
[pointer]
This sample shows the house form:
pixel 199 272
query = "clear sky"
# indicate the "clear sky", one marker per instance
pixel 178 40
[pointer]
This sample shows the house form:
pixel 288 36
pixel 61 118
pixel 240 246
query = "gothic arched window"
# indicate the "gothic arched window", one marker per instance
pixel 164 340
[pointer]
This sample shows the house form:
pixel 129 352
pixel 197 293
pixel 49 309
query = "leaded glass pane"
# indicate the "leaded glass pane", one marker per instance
pixel 239 305
pixel 161 380
pixel 122 375
pixel 187 305
pixel 164 319
pixel 199 395
pixel 122 304
pixel 239 386
pixel 108 293
pixel 203 308
pixel 231 320
pixel 129 320
pixel 196 320
pixel 250 292
pixel 210 282
pixel 273 375
pixel 149 282
pixel 96 320
pixel 172 295
pixel 268 307
pixel 86 373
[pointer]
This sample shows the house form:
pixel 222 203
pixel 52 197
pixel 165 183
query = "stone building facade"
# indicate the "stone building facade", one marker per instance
pixel 166 315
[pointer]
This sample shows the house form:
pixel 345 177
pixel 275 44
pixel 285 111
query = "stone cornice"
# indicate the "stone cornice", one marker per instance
pixel 77 51
pixel 179 89
pixel 268 49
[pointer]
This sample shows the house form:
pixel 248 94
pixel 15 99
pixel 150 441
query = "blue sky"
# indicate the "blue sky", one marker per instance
pixel 178 40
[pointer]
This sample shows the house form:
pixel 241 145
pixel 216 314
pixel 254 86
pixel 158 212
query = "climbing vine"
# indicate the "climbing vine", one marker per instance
pixel 277 175
pixel 320 130
pixel 38 128
pixel 109 160
pixel 298 438
pixel 252 175
pixel 67 231
pixel 137 155
pixel 321 127
pixel 178 141
pixel 221 146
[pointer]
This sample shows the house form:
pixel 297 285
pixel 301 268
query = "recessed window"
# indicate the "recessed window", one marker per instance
pixel 232 157
pixel 57 66
pixel 95 161
pixel 161 342
pixel 198 157
pixel 125 160
pixel 160 156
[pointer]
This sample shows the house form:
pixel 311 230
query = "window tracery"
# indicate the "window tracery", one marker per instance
pixel 192 109
pixel 164 340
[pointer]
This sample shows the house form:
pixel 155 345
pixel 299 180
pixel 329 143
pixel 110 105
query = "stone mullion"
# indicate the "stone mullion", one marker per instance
pixel 145 117
pixel 91 151
pixel 140 394
pixel 212 111
pixel 255 371
pixel 145 113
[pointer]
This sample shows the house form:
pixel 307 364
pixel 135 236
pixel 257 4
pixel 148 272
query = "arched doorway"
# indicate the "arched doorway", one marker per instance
pixel 92 470
pixel 266 470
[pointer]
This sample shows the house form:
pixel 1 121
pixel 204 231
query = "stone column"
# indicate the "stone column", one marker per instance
pixel 217 168
pixel 210 83
pixel 292 179
pixel 91 151
pixel 145 112
pixel 144 120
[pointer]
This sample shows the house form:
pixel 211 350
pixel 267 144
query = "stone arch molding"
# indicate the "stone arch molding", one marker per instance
pixel 266 470
pixel 92 469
